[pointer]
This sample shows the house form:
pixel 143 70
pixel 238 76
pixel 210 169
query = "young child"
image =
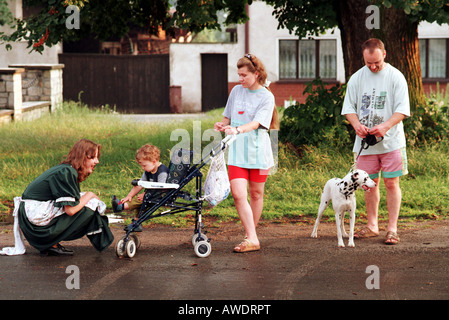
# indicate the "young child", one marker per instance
pixel 154 171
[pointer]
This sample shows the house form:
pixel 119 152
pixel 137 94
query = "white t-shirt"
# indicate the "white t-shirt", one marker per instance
pixel 252 149
pixel 375 97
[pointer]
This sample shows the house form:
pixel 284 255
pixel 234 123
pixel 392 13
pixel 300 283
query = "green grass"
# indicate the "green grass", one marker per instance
pixel 293 192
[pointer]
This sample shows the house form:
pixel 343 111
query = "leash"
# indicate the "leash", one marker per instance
pixel 369 140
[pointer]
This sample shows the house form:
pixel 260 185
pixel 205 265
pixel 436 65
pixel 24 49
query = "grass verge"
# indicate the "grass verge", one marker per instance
pixel 292 193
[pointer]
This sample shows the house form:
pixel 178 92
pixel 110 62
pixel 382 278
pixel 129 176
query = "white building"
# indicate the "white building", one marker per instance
pixel 288 69
pixel 20 54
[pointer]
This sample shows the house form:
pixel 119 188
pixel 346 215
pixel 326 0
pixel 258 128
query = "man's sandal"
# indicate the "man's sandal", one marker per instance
pixel 365 232
pixel 246 246
pixel 392 238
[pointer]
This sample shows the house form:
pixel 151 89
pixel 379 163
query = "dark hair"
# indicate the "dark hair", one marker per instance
pixel 255 65
pixel 82 150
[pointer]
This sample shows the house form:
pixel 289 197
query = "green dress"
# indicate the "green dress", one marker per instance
pixel 55 188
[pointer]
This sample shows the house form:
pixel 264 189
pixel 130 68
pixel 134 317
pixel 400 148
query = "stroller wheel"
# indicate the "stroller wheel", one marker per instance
pixel 195 238
pixel 136 240
pixel 119 250
pixel 131 248
pixel 202 249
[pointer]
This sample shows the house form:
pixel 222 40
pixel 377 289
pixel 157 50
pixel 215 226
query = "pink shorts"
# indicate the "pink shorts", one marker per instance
pixel 392 164
pixel 254 175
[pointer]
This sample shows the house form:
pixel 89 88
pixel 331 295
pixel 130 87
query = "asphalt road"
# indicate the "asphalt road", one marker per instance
pixel 290 266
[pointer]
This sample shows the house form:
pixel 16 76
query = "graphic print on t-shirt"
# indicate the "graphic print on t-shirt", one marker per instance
pixel 369 116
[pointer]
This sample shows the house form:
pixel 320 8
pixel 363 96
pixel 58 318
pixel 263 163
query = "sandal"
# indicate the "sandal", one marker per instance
pixel 246 246
pixel 365 232
pixel 392 238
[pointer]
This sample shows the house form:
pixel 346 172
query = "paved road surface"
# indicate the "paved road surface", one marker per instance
pixel 291 266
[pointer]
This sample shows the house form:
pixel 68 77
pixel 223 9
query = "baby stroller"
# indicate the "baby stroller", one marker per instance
pixel 170 194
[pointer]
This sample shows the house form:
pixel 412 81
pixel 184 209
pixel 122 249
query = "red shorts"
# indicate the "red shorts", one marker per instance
pixel 254 175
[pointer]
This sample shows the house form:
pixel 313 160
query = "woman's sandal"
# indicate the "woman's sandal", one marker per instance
pixel 365 232
pixel 392 238
pixel 246 246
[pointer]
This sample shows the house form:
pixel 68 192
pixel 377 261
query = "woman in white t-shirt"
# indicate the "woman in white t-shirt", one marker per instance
pixel 250 112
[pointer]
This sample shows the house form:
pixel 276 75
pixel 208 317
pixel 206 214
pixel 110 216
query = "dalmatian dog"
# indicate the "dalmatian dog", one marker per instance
pixel 342 194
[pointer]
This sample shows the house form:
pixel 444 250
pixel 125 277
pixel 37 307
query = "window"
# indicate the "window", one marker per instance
pixel 307 59
pixel 434 58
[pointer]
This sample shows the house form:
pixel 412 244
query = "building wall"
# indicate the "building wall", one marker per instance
pixel 263 41
pixel 264 37
pixel 434 31
pixel 20 54
pixel 185 67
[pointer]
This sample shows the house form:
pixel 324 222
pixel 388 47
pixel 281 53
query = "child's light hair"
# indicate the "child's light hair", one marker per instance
pixel 148 152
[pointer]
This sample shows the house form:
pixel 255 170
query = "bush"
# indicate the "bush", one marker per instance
pixel 429 123
pixel 318 120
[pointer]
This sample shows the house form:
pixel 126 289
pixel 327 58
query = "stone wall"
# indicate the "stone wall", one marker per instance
pixel 28 91
pixel 42 82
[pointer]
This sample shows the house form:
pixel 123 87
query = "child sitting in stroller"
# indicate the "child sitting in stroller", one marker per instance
pixel 147 157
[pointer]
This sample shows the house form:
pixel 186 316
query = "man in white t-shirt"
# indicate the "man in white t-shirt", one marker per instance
pixel 375 103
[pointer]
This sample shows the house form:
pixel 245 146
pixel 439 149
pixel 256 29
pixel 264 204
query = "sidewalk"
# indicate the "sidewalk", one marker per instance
pixel 163 117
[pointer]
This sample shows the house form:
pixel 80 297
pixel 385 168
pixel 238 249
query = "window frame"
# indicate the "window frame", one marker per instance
pixel 425 77
pixel 317 61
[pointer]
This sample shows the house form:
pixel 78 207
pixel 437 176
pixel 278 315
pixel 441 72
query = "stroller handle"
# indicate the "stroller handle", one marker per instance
pixel 154 185
pixel 229 139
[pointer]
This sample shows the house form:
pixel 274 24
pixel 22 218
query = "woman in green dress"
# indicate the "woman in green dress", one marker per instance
pixel 53 209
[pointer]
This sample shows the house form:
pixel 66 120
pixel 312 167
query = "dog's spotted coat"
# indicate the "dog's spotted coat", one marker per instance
pixel 342 194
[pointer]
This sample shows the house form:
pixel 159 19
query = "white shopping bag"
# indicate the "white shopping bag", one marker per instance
pixel 216 185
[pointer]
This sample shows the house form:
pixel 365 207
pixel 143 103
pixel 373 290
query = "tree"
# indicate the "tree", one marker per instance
pixel 106 19
pixel 398 29
pixel 398 24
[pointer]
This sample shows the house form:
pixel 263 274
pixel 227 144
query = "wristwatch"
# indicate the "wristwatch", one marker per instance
pixel 238 130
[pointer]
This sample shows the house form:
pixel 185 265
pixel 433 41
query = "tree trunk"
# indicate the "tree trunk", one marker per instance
pixel 351 22
pixel 400 37
pixel 396 31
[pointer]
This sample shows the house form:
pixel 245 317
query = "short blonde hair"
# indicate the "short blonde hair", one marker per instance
pixel 148 152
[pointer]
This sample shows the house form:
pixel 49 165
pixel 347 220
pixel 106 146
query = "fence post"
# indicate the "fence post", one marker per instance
pixel 11 90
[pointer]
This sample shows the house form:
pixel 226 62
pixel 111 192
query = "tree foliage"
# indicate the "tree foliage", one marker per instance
pixel 305 17
pixel 420 10
pixel 312 17
pixel 197 15
pixel 112 19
